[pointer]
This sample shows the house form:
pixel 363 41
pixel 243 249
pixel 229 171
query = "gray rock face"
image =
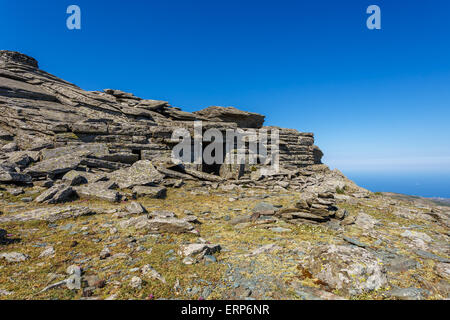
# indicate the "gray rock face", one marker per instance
pixel 351 269
pixel 229 114
pixel 111 130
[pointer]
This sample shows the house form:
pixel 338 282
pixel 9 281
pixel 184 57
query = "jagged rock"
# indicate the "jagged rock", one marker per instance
pixel 21 159
pixel 7 56
pixel 147 270
pixel 56 194
pixel 135 208
pixel 151 192
pixel 7 175
pixel 351 269
pixel 74 179
pixel 198 249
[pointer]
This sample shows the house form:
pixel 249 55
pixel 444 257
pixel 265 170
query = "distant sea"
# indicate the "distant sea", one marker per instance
pixel 416 184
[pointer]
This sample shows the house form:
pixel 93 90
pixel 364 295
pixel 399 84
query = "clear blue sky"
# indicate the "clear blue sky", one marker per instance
pixel 376 100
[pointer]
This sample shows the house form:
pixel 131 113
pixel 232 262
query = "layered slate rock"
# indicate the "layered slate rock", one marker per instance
pixel 242 119
pixel 109 130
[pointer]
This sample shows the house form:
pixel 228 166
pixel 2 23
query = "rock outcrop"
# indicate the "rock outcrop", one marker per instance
pixel 58 127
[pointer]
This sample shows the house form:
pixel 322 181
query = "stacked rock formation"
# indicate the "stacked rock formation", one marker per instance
pixel 312 207
pixel 50 128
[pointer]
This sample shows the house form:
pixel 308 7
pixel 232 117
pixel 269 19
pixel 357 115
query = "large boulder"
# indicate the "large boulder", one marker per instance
pixel 230 114
pixel 141 173
pixel 350 269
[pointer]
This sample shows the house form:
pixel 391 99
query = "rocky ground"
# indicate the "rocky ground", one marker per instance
pixel 93 206
pixel 211 241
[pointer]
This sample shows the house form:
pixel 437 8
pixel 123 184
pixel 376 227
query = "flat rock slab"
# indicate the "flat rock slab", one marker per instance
pixel 98 191
pixel 54 166
pixel 151 192
pixel 14 256
pixel 159 224
pixel 48 214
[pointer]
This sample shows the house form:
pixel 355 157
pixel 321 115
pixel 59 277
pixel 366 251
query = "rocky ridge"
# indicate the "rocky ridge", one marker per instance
pixel 93 207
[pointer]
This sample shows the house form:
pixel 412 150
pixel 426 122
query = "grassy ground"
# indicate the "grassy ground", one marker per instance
pixel 80 241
